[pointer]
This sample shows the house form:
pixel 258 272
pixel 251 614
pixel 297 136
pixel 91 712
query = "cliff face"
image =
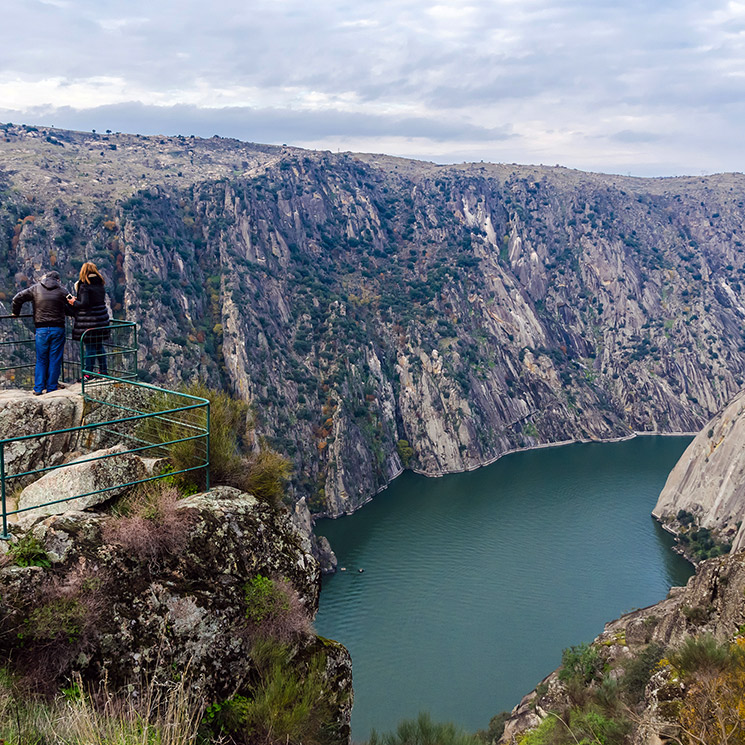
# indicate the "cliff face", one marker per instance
pixel 383 313
pixel 707 485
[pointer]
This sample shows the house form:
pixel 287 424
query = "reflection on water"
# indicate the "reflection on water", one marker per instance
pixel 475 582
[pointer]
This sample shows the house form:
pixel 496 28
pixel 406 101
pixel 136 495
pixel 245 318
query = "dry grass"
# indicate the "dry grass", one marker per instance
pixel 164 715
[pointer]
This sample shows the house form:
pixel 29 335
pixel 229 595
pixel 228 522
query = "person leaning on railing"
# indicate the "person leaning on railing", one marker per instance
pixel 50 308
pixel 91 316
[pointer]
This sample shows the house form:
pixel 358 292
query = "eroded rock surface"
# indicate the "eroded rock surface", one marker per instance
pixel 22 413
pixel 708 481
pixel 360 301
pixel 96 475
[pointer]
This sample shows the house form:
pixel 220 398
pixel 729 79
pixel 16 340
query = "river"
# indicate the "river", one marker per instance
pixel 474 583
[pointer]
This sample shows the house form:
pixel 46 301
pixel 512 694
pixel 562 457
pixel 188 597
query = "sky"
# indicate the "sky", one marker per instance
pixel 652 88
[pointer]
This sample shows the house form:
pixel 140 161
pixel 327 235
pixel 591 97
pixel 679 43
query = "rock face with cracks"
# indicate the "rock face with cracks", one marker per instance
pixel 134 604
pixel 360 301
pixel 708 482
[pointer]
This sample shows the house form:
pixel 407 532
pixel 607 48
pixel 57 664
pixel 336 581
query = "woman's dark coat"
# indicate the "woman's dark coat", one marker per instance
pixel 90 309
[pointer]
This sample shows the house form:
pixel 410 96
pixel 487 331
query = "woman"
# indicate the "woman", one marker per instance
pixel 91 313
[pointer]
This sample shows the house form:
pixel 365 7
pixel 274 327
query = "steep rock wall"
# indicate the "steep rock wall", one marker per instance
pixel 708 481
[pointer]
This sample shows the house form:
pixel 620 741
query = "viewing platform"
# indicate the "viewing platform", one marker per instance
pixel 101 434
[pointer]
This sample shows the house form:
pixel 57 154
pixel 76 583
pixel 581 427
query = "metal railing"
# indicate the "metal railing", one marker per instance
pixel 121 418
pixel 113 350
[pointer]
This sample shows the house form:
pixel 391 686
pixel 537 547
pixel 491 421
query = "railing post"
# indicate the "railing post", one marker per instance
pixel 135 347
pixel 207 470
pixel 5 536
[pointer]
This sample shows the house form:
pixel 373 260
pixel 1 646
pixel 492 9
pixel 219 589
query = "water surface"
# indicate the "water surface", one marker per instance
pixel 475 582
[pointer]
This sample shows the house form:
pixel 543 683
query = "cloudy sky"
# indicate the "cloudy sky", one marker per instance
pixel 652 87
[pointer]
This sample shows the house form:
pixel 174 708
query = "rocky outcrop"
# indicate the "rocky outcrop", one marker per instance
pixel 22 413
pixel 134 599
pixel 97 475
pixel 708 482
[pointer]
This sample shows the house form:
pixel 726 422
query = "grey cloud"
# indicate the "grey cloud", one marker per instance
pixel 578 63
pixel 257 125
pixel 628 135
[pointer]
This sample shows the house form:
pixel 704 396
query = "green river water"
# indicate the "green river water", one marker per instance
pixel 475 582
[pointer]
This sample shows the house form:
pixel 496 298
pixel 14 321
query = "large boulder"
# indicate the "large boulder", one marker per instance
pixel 708 481
pixel 98 475
pixel 22 413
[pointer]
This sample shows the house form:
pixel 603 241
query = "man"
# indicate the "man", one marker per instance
pixel 50 308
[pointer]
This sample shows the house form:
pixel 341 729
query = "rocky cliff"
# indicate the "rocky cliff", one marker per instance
pixel 217 589
pixel 383 313
pixel 706 489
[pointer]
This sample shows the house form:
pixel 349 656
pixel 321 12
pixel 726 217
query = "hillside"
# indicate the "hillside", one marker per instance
pixel 382 313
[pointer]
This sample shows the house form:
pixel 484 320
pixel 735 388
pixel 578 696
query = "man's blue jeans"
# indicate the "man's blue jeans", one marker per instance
pixel 50 346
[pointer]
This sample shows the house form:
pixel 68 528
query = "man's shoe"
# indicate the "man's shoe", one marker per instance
pixel 60 386
pixel 38 393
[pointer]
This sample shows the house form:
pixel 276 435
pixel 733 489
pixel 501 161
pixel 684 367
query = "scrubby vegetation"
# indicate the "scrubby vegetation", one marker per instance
pixel 236 456
pixel 699 689
pixel 423 731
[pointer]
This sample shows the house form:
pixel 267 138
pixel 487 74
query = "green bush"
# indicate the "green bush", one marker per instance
pixel 705 654
pixel 423 731
pixel 594 728
pixel 274 610
pixel 287 704
pixel 29 551
pixel 405 452
pixel 263 474
pixel 580 663
pixel 638 671
pixel 541 735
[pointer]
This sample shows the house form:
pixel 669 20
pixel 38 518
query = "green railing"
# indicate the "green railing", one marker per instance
pixel 121 418
pixel 17 354
pixel 118 351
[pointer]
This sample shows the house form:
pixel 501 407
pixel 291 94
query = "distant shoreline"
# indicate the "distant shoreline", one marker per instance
pixel 491 461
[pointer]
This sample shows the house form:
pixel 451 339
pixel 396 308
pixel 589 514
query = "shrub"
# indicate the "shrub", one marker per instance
pixel 541 735
pixel 405 452
pixel 593 727
pixel 264 474
pixel 29 551
pixel 580 663
pixel 704 654
pixel 55 626
pixel 638 671
pixel 423 731
pixel 287 705
pixel 152 527
pixel 496 728
pixel 274 610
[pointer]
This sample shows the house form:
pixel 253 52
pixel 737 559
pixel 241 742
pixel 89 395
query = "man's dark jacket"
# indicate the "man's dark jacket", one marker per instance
pixel 49 301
